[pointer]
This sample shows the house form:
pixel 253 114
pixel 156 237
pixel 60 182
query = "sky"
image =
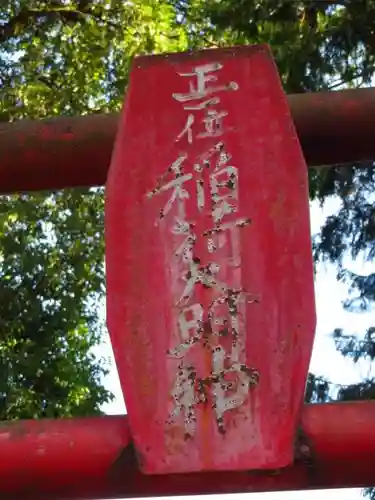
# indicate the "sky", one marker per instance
pixel 325 360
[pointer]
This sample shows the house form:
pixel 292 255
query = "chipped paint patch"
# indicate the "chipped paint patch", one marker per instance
pixel 208 260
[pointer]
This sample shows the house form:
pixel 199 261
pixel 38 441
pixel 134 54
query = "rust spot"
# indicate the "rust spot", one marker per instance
pixel 303 448
pixel 265 472
pixel 127 459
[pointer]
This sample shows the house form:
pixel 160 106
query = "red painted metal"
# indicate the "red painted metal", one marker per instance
pixel 64 152
pixel 210 299
pixel 48 454
pixel 94 459
pixel 97 458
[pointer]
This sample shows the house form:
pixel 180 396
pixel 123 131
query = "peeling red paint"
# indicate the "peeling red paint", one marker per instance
pixel 212 325
pixel 94 458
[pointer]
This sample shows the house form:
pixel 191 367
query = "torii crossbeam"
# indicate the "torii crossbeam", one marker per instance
pixel 210 296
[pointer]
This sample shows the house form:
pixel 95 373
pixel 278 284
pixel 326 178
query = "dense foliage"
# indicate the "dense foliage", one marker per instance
pixel 61 58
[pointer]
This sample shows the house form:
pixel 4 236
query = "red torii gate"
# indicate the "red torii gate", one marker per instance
pixel 318 446
pixel 66 152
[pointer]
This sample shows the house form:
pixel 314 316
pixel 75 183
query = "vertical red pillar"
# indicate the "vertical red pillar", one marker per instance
pixel 209 271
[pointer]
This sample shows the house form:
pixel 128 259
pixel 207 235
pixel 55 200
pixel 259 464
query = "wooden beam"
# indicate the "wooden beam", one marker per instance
pixel 333 127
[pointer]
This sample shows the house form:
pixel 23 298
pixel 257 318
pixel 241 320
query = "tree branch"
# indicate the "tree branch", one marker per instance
pixel 343 81
pixel 19 22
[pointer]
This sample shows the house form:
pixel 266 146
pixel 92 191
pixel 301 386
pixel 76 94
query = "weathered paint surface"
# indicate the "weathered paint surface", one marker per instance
pixel 93 458
pixel 212 232
pixel 77 150
pixel 210 300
